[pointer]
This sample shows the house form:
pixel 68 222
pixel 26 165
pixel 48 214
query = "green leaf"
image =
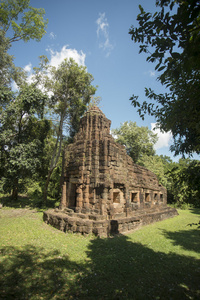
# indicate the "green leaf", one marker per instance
pixel 175 55
pixel 161 68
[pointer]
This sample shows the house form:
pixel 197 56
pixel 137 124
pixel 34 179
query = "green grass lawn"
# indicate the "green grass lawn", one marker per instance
pixel 159 261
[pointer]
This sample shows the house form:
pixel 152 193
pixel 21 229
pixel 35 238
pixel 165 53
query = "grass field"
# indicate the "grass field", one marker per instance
pixel 159 261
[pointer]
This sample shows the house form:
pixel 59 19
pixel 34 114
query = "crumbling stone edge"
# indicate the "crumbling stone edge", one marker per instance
pixel 70 221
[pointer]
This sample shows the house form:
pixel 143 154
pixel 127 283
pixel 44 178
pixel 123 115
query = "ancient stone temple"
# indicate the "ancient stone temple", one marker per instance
pixel 104 192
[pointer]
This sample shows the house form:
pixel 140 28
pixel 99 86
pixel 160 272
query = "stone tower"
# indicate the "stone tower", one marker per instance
pixel 103 189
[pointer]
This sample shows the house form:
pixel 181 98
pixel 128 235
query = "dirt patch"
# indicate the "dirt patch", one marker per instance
pixel 16 212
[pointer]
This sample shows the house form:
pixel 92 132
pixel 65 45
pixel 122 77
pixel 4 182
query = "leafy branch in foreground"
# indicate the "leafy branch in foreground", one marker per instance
pixel 18 21
pixel 32 25
pixel 173 34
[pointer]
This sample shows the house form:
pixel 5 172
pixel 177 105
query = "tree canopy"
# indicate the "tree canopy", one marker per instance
pixel 26 22
pixel 71 90
pixel 139 141
pixel 18 21
pixel 183 182
pixel 22 134
pixel 171 39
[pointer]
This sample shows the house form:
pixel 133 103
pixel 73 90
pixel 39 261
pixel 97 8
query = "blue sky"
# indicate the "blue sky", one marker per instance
pixel 95 34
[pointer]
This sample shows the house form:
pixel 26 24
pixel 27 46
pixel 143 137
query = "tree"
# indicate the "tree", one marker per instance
pixel 8 72
pixel 71 90
pixel 18 21
pixel 22 135
pixel 32 24
pixel 173 34
pixel 156 165
pixel 22 127
pixel 6 60
pixel 184 178
pixel 139 141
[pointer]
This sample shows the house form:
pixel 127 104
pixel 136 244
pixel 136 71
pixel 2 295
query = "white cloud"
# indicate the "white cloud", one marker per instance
pixel 150 73
pixel 14 86
pixel 28 68
pixel 103 34
pixel 102 24
pixel 52 36
pixel 56 57
pixel 164 138
pixel 66 53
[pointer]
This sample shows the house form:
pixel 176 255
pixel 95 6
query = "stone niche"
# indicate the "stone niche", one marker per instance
pixel 104 192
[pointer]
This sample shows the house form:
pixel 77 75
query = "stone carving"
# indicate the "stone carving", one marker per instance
pixel 104 192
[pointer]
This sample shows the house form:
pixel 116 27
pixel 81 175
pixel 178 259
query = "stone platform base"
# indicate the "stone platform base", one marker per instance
pixel 69 221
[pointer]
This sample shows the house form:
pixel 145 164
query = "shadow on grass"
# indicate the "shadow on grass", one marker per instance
pixel 121 269
pixel 33 273
pixel 117 269
pixel 195 211
pixel 187 239
pixel 24 201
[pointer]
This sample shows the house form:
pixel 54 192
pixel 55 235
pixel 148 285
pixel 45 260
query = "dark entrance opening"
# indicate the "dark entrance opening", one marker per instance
pixel 72 195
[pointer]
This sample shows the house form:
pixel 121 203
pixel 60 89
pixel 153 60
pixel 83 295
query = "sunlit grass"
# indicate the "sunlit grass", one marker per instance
pixel 159 261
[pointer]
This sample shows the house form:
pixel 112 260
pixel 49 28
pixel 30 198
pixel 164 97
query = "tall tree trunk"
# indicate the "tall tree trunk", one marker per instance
pixel 46 187
pixel 15 190
pixel 54 159
pixel 16 180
